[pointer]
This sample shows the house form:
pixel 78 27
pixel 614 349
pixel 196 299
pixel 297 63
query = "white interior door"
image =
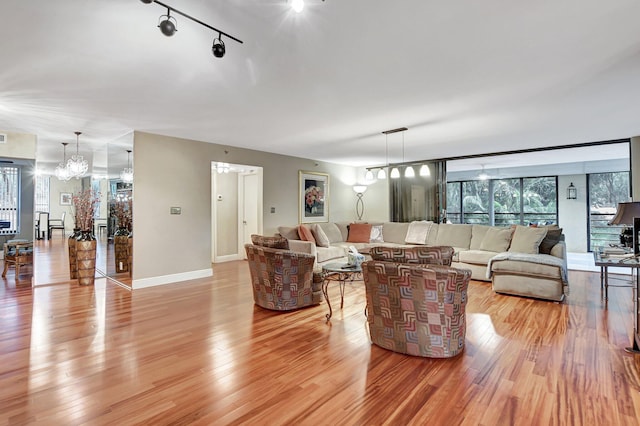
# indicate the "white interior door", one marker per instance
pixel 249 209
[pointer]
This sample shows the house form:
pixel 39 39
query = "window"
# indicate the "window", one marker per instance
pixel 606 190
pixel 503 202
pixel 42 194
pixel 10 199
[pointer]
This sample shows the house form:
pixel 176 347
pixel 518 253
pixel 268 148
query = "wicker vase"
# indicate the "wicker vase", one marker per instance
pixel 73 265
pixel 121 249
pixel 86 258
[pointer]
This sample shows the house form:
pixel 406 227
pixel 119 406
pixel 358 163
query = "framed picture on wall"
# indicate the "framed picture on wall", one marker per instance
pixel 65 198
pixel 313 203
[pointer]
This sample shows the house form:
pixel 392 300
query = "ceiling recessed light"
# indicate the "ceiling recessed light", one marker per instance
pixel 297 5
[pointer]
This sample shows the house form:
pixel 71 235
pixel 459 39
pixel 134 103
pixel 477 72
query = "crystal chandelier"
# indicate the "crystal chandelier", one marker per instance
pixel 77 166
pixel 127 173
pixel 62 173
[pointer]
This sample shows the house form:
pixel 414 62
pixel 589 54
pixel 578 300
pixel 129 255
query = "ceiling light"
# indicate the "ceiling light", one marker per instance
pixel 368 176
pixel 147 1
pixel 168 26
pixel 62 173
pixel 395 173
pixel 77 165
pixel 218 48
pixel 424 170
pixel 409 172
pixel 483 175
pixel 382 174
pixel 126 175
pixel 297 5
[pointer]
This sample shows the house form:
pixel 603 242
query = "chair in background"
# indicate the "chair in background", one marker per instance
pixel 42 225
pixel 416 309
pixel 282 280
pixel 57 224
pixel 17 253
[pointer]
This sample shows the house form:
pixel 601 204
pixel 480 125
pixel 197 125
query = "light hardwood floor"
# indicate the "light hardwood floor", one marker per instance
pixel 201 352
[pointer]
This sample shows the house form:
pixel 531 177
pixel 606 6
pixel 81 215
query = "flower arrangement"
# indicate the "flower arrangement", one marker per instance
pixel 84 206
pixel 314 198
pixel 123 211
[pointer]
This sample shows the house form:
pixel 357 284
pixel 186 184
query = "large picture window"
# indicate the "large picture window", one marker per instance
pixel 606 190
pixel 9 199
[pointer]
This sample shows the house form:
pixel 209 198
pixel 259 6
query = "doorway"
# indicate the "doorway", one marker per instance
pixel 236 209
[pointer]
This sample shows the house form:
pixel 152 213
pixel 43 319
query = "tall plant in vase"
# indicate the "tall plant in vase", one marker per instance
pixel 84 206
pixel 122 210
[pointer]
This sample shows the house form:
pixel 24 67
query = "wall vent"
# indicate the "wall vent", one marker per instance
pixel 3 138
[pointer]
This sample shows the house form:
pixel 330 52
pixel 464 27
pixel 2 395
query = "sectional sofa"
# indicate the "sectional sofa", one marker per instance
pixel 518 260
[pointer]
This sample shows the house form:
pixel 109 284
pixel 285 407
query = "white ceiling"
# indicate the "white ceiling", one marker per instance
pixel 465 77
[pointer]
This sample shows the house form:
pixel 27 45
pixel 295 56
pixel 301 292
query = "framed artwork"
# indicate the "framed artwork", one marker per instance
pixel 65 198
pixel 313 204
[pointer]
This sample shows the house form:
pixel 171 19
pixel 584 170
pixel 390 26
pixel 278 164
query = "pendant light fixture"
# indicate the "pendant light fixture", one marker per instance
pixel 395 172
pixel 127 173
pixel 424 171
pixel 368 176
pixel 77 165
pixel 408 171
pixel 62 173
pixel 382 174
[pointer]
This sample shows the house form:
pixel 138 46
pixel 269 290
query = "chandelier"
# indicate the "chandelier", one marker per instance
pixel 77 166
pixel 126 175
pixel 62 173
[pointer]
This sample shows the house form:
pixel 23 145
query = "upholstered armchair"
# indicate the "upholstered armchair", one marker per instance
pixel 282 280
pixel 433 255
pixel 416 309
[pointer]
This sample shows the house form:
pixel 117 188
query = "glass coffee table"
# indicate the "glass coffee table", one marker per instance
pixel 340 273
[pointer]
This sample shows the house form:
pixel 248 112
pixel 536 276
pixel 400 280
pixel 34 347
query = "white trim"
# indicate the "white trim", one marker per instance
pixel 170 279
pixel 230 257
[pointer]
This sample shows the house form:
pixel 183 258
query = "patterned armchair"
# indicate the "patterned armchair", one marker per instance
pixel 435 255
pixel 416 309
pixel 282 280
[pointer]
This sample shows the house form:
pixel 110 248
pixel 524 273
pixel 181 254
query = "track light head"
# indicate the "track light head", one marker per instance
pixel 147 1
pixel 169 25
pixel 218 48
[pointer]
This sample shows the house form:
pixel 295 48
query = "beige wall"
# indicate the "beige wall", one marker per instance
pixel 56 187
pixel 227 213
pixel 177 172
pixel 19 145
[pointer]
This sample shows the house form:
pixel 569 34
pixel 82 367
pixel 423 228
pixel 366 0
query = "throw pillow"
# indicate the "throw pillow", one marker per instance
pixel 359 233
pixel 289 232
pixel 306 234
pixel 527 240
pixel 417 232
pixel 277 242
pixel 321 238
pixel 332 232
pixel 477 235
pixel 376 234
pixel 496 239
pixel 554 236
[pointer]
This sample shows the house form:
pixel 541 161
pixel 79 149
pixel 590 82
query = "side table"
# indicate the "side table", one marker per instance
pixel 341 273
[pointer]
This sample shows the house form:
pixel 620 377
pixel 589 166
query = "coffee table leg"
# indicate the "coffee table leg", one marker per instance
pixel 342 281
pixel 325 290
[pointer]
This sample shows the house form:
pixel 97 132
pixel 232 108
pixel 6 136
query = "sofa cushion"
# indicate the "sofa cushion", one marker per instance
pixel 476 257
pixel 359 233
pixel 418 232
pixel 527 239
pixel 318 234
pixel 332 232
pixel 477 235
pixel 458 235
pixel 496 239
pixel 305 233
pixel 420 254
pixel 344 230
pixel 376 234
pixel 526 268
pixel 289 232
pixel 327 253
pixel 553 237
pixel 394 232
pixel 276 242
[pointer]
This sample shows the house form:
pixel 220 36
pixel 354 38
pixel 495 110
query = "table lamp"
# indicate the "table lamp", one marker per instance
pixel 625 214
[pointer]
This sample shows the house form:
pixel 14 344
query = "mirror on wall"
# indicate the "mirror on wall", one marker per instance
pixel 114 224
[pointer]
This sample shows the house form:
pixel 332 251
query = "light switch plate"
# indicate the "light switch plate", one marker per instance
pixel 176 210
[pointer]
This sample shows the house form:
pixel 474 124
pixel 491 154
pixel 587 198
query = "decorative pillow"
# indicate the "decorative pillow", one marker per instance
pixel 289 232
pixel 359 233
pixel 277 242
pixel 306 234
pixel 554 235
pixel 376 234
pixel 418 232
pixel 527 240
pixel 477 235
pixel 321 238
pixel 496 239
pixel 332 231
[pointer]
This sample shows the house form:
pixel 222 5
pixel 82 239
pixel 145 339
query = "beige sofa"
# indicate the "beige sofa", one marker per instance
pixel 518 260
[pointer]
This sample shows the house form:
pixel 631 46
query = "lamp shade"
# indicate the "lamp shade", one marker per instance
pixel 382 174
pixel 359 189
pixel 625 213
pixel 395 173
pixel 368 176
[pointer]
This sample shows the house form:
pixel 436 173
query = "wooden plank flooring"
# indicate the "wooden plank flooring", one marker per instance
pixel 201 352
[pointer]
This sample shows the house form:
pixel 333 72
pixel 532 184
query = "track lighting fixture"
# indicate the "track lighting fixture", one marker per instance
pixel 169 26
pixel 218 48
pixel 297 5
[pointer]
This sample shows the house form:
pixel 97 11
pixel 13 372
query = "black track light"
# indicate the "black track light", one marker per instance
pixel 169 25
pixel 147 1
pixel 218 48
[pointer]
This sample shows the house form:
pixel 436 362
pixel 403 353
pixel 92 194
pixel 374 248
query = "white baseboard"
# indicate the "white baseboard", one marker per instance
pixel 228 258
pixel 170 279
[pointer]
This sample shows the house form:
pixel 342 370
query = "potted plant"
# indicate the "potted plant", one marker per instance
pixel 122 210
pixel 84 206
